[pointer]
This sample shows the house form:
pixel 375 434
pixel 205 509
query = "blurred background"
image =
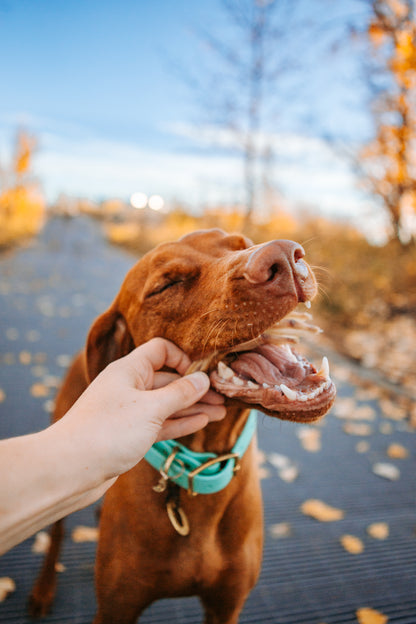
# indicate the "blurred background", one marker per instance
pixel 126 123
pixel 279 118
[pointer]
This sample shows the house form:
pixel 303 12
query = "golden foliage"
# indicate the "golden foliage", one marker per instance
pixel 22 207
pixel 22 212
pixel 390 159
pixel 24 150
pixel 359 282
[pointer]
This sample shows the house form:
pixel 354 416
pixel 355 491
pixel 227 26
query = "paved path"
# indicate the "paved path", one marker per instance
pixel 50 292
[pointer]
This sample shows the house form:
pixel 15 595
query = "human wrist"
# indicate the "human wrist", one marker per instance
pixel 72 459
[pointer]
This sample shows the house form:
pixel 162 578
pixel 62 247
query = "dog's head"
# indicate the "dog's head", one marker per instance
pixel 230 305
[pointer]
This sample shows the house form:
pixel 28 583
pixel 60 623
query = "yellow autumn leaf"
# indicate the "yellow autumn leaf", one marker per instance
pixel 321 511
pixel 25 357
pixel 7 586
pixel 357 428
pixel 41 543
pixel 352 544
pixel 39 390
pixel 280 530
pixel 366 615
pixel 310 439
pixel 84 534
pixel 378 530
pixel 397 451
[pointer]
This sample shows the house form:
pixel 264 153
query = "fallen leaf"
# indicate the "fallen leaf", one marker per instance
pixel 280 530
pixel 342 373
pixel 278 461
pixel 368 394
pixel 370 616
pixel 344 407
pixel 387 471
pixel 263 473
pixel 349 410
pixel 41 543
pixel 378 530
pixel 352 544
pixel 365 412
pixel 362 446
pixel 392 410
pixel 52 381
pixel 289 474
pixel 49 406
pixel 25 357
pixel 310 439
pixel 39 390
pixel 7 586
pixel 63 360
pixel 397 451
pixel 40 358
pixel 321 511
pixel 84 534
pixel 358 429
pixel 261 457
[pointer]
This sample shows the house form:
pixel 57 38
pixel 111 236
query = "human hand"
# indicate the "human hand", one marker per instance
pixel 132 404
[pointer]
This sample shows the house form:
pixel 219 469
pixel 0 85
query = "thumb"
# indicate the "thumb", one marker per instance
pixel 180 394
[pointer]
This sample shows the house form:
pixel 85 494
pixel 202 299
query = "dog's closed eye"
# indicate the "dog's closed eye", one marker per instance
pixel 164 285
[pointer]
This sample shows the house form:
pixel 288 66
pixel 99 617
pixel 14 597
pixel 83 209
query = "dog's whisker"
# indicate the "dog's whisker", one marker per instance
pixel 209 312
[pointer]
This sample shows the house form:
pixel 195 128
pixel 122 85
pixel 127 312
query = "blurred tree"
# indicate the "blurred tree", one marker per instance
pixel 389 160
pixel 22 207
pixel 258 46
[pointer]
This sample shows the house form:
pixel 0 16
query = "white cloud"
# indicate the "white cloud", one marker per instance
pixel 74 161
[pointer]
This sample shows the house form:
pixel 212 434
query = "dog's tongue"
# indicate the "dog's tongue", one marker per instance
pixel 269 364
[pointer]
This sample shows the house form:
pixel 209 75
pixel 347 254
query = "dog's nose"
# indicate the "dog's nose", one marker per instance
pixel 279 258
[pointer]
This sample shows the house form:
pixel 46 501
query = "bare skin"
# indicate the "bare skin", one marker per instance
pixel 72 463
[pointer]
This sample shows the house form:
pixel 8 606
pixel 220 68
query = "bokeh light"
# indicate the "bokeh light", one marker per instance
pixel 156 202
pixel 138 200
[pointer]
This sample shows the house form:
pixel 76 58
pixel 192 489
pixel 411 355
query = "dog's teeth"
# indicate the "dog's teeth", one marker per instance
pixel 266 385
pixel 291 355
pixel 252 385
pixel 308 304
pixel 224 371
pixel 288 392
pixel 237 381
pixel 324 370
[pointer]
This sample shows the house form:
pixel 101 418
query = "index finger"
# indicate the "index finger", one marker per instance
pixel 159 352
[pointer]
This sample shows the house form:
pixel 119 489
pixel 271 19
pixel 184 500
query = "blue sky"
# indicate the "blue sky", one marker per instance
pixel 95 82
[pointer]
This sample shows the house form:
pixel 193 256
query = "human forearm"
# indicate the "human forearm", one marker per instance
pixel 48 477
pixel 109 429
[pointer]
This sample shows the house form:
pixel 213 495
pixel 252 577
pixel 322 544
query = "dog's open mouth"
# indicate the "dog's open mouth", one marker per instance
pixel 269 373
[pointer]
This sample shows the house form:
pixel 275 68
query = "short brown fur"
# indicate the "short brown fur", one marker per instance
pixel 140 557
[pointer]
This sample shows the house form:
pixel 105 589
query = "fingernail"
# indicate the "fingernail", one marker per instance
pixel 199 380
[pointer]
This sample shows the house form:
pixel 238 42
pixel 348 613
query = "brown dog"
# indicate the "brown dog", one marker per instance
pixel 217 297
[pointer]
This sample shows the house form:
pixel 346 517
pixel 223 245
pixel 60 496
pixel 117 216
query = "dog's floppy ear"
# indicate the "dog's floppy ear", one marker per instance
pixel 108 340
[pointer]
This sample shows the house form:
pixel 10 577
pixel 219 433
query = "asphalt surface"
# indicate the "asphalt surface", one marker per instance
pixel 50 291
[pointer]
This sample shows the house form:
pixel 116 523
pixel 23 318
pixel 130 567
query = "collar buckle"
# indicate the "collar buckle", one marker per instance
pixel 207 464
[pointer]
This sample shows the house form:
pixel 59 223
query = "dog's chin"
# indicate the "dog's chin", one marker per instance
pixel 301 414
pixel 268 374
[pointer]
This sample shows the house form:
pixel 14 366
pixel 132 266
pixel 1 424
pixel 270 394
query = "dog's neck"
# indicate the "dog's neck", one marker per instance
pixel 219 437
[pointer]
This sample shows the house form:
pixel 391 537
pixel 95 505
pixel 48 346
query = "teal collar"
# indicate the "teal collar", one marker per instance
pixel 199 473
